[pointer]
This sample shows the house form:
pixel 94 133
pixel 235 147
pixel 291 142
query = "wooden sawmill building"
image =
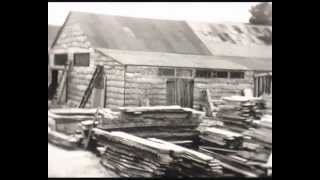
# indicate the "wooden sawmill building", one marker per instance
pixel 164 62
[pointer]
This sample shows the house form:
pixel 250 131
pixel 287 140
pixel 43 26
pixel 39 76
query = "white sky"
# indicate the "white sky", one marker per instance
pixel 207 12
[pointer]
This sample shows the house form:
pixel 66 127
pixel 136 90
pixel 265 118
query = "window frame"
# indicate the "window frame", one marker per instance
pixel 242 76
pixel 214 74
pixel 60 54
pixel 80 64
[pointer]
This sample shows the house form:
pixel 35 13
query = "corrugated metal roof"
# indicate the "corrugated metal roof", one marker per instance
pixel 52 32
pixel 139 34
pixel 257 64
pixel 170 60
pixel 240 40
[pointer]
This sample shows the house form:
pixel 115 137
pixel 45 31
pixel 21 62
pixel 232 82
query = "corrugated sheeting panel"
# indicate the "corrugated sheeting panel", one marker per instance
pixel 138 34
pixel 240 40
pixel 171 60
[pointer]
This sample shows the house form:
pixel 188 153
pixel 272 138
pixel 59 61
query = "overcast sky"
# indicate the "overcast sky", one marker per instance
pixel 207 12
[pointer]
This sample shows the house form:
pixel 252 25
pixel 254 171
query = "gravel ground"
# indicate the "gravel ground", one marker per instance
pixel 64 163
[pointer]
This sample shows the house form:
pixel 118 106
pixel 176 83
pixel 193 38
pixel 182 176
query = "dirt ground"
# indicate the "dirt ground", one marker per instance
pixel 64 163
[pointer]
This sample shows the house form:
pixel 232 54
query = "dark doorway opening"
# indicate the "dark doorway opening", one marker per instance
pixel 180 92
pixel 54 84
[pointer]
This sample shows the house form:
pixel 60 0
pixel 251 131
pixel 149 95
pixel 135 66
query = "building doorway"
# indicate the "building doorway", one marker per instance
pixel 54 84
pixel 180 92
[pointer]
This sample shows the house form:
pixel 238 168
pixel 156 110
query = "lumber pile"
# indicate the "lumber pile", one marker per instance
pixel 238 112
pixel 61 140
pixel 190 163
pixel 246 157
pixel 132 156
pixel 221 138
pixel 165 122
pixel 233 165
pixel 67 120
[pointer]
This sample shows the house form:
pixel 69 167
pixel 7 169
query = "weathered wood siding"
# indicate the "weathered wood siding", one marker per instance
pixel 130 85
pixel 143 81
pixel 221 87
pixel 114 80
pixel 73 40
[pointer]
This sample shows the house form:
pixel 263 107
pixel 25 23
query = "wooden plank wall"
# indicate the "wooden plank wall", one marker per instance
pixel 114 80
pixel 142 82
pixel 221 87
pixel 262 85
pixel 73 40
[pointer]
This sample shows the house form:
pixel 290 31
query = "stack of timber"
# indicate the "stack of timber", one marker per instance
pixel 248 158
pixel 233 165
pixel 67 120
pixel 190 163
pixel 208 122
pixel 132 156
pixel 238 112
pixel 259 142
pixel 221 138
pixel 165 122
pixel 61 140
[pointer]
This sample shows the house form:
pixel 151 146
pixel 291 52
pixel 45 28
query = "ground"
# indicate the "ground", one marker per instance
pixel 79 163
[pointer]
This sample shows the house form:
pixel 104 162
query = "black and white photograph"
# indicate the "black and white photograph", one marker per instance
pixel 159 89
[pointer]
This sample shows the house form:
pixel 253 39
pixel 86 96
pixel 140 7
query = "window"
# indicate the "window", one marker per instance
pixel 82 59
pixel 60 59
pixel 211 74
pixel 166 72
pixel 184 72
pixel 237 75
pixel 203 73
pixel 222 74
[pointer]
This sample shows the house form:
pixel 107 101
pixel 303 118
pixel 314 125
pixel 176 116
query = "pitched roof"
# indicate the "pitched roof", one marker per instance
pixel 171 60
pixel 250 45
pixel 257 64
pixel 239 40
pixel 52 32
pixel 139 34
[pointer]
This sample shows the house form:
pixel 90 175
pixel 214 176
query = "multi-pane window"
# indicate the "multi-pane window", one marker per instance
pixel 237 75
pixel 82 59
pixel 60 59
pixel 203 73
pixel 166 72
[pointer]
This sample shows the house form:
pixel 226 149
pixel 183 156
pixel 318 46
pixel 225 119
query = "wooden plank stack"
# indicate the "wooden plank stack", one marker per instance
pixel 238 112
pixel 67 120
pixel 132 156
pixel 248 158
pixel 165 122
pixel 190 163
pixel 221 138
